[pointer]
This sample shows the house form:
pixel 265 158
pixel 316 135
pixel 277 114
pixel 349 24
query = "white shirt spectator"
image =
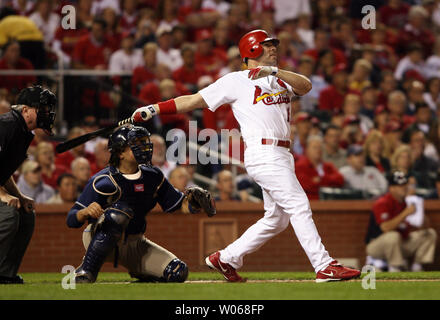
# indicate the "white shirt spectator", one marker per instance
pixel 170 58
pixel 433 66
pixel 121 61
pixel 47 28
pixel 307 36
pixel 430 101
pixel 220 6
pixel 369 179
pixel 288 9
pixel 406 64
pixel 99 5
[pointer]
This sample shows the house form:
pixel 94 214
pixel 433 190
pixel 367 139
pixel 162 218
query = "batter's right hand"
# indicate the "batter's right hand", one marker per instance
pixel 143 114
pixel 94 210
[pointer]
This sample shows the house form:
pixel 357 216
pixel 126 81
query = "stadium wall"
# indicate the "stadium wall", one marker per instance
pixel 341 224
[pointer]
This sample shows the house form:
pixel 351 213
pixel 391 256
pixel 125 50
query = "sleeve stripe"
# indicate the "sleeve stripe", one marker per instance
pixel 175 205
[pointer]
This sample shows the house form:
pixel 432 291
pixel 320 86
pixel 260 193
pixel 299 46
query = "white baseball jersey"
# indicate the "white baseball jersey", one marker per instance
pixel 261 107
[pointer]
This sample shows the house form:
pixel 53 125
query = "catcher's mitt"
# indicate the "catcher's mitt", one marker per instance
pixel 200 200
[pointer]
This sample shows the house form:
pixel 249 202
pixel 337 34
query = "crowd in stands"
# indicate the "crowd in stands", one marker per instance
pixel 373 108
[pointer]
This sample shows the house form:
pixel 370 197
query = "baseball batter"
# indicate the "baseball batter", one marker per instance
pixel 260 98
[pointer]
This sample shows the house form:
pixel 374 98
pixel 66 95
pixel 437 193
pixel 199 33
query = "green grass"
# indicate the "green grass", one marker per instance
pixel 47 286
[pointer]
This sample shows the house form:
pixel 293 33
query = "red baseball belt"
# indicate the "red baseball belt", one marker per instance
pixel 278 143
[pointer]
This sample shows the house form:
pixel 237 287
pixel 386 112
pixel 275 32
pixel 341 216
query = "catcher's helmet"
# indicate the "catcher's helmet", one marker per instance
pixel 250 44
pixel 44 101
pixel 137 138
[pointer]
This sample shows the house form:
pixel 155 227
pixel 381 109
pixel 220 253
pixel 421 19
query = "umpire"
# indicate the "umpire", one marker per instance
pixel 35 108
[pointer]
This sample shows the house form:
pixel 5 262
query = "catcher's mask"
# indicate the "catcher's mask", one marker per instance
pixel 44 101
pixel 137 138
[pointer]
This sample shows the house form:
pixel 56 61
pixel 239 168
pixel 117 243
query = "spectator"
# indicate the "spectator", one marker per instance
pixel 159 158
pixel 166 13
pixel 220 6
pixel 225 187
pixel 99 6
pixel 433 62
pixel 342 36
pixel 351 132
pixel 424 168
pixel 26 33
pixel 385 57
pixel 358 176
pixel 303 126
pixel 394 14
pixel 432 93
pixel 221 38
pixel 145 31
pixel 31 184
pixel 390 236
pixel 397 106
pixel 381 118
pixel 286 10
pixel 93 51
pixel 166 54
pixel 45 156
pixel 415 96
pixel 412 61
pixel 352 108
pixel 81 171
pixel 206 55
pixel 304 30
pixel 23 8
pixel 67 190
pixel 11 60
pixel 180 36
pixel 129 16
pixel 375 152
pixel 369 97
pixel 416 30
pixel 313 173
pixel 331 98
pixel 179 178
pixel 288 51
pixel 401 161
pixel 309 102
pixel 46 20
pixel 65 159
pixel 387 85
pixel 332 151
pixel 146 72
pixel 234 62
pixel 360 77
pixel 127 58
pixel 321 41
pixel 113 32
pixel 102 156
pixel 190 72
pixel 423 122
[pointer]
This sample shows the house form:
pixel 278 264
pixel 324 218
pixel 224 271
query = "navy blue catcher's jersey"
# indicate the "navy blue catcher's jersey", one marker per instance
pixel 141 195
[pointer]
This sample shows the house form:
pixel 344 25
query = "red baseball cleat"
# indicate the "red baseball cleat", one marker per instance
pixel 336 272
pixel 213 261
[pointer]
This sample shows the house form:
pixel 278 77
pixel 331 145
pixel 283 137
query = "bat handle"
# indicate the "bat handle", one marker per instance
pixel 122 122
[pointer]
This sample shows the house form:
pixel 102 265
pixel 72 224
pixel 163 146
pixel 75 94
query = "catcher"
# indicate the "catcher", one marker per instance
pixel 115 202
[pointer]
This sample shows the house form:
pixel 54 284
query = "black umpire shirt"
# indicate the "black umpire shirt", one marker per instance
pixel 15 139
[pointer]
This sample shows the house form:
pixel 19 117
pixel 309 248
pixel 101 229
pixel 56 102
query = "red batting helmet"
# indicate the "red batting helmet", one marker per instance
pixel 250 44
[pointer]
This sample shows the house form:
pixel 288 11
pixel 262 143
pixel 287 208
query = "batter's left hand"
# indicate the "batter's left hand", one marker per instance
pixel 260 72
pixel 27 203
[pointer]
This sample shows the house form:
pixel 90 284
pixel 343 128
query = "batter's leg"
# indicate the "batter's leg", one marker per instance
pixel 273 222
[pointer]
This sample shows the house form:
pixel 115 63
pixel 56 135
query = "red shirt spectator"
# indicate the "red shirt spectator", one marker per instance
pixel 394 14
pixel 206 55
pixel 93 50
pixel 12 60
pixel 313 173
pixel 310 179
pixel 190 72
pixel 386 208
pixel 66 39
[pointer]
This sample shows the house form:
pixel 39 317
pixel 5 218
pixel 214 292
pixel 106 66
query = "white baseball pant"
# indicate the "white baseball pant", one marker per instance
pixel 285 201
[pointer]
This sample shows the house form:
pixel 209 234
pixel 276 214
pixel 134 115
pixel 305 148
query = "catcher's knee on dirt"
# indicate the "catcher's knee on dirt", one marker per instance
pixel 105 239
pixel 176 271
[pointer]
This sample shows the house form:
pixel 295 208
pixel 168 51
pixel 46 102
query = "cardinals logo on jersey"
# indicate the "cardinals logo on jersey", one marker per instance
pixel 271 98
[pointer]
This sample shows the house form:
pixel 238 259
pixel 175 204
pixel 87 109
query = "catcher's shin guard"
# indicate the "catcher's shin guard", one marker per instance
pixel 116 219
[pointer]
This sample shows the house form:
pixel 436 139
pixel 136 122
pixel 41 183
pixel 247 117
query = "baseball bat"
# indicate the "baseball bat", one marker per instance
pixel 72 143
